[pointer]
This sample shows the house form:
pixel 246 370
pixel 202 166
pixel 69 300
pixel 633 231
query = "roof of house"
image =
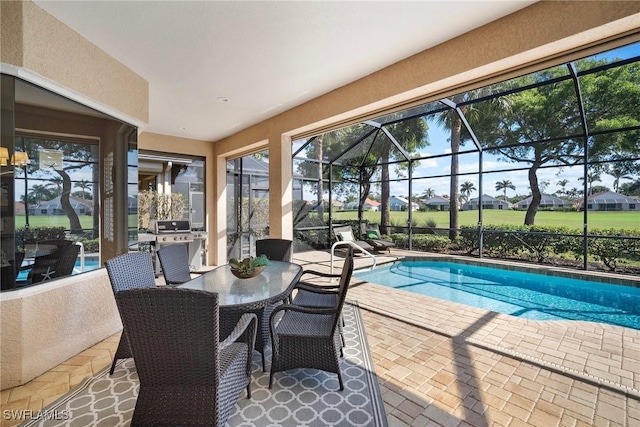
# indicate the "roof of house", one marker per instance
pixel 55 203
pixel 487 198
pixel 611 197
pixel 546 198
pixel 436 200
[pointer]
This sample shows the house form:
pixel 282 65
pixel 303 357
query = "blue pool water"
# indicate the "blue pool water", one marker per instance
pixel 526 295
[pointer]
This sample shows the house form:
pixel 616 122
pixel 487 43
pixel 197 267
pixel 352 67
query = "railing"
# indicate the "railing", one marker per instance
pixel 355 246
pixel 81 255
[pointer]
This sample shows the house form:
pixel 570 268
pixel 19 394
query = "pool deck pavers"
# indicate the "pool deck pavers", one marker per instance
pixel 445 364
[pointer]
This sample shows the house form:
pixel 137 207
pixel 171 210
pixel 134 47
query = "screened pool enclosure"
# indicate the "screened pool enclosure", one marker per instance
pixel 543 166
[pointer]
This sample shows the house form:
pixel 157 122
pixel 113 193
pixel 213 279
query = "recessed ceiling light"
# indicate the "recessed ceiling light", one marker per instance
pixel 223 99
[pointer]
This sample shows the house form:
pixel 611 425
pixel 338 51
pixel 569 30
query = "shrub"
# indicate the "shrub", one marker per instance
pixel 37 234
pixel 430 243
pixel 614 247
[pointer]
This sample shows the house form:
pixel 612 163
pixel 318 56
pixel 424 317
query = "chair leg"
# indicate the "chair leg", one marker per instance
pixel 264 368
pixel 270 380
pixel 113 365
pixel 249 390
pixel 340 381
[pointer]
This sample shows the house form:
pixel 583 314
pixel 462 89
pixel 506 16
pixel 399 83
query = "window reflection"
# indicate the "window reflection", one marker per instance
pixel 51 199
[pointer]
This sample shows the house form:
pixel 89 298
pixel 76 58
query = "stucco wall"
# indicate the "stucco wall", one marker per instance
pixel 45 325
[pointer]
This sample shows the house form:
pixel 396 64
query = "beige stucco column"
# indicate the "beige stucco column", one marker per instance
pixel 280 187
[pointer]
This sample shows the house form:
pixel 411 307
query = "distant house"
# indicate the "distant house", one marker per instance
pixel 546 202
pixel 610 201
pixel 437 203
pixel 369 205
pixel 54 207
pixel 488 202
pixel 401 204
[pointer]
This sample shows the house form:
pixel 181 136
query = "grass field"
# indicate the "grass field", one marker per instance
pixel 62 221
pixel 620 220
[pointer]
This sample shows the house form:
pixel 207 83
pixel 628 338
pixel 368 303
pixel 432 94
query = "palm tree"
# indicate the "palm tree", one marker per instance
pixel 563 184
pixel 452 121
pixel 57 181
pixel 465 190
pixel 618 172
pixel 83 185
pixel 428 193
pixel 503 185
pixel 591 178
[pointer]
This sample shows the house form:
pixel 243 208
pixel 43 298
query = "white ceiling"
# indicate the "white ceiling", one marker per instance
pixel 264 57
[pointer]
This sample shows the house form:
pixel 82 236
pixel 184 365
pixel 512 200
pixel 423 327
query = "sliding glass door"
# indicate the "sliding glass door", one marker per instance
pixel 247 203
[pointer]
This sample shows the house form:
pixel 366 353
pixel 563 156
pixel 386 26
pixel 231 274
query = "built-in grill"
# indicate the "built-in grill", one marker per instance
pixel 171 231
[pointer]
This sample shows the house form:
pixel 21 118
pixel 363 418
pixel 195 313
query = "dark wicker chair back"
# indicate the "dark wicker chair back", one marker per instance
pixel 275 249
pixel 174 337
pixel 345 278
pixel 174 261
pixel 58 263
pixel 67 257
pixel 129 271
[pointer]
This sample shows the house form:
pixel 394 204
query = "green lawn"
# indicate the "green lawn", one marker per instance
pixel 62 221
pixel 622 220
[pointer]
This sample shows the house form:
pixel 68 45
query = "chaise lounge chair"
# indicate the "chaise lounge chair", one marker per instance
pixel 344 233
pixel 371 234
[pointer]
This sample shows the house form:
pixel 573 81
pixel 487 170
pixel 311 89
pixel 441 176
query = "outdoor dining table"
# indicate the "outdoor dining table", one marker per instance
pixel 238 296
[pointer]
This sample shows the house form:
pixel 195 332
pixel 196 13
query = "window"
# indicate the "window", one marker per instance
pixel 64 185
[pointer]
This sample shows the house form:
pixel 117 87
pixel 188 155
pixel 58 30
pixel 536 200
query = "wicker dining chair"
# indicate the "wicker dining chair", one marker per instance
pixel 58 263
pixel 187 376
pixel 174 261
pixel 129 271
pixel 309 294
pixel 275 249
pixel 307 337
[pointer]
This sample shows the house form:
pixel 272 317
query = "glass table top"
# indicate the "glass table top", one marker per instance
pixel 272 284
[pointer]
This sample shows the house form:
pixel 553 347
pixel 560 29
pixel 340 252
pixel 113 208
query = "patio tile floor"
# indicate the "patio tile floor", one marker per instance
pixel 444 364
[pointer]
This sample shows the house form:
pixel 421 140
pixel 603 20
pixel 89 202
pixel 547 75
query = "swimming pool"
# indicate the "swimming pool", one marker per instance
pixel 517 293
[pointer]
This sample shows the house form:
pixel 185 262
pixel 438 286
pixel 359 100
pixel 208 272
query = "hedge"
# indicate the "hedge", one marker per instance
pixel 609 246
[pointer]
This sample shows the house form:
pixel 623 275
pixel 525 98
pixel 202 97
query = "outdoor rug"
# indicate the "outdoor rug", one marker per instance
pixel 302 397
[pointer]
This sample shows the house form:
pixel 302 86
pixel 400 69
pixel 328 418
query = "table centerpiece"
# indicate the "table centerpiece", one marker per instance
pixel 248 267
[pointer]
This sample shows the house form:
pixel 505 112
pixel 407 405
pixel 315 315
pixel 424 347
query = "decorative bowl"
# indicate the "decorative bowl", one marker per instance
pixel 248 275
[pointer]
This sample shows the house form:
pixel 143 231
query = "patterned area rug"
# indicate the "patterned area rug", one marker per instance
pixel 302 397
